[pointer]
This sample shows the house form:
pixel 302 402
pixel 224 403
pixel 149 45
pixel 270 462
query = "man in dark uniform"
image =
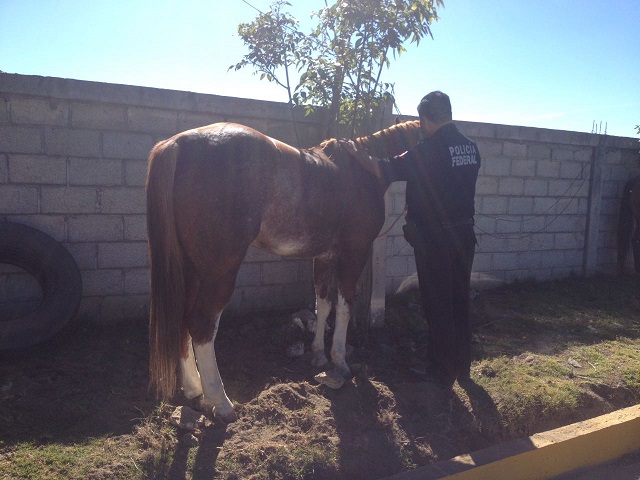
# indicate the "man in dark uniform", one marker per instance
pixel 441 173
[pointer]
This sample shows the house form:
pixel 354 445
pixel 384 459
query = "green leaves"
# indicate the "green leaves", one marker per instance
pixel 340 62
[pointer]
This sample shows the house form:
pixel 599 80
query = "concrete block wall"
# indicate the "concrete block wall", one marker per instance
pixel 532 204
pixel 73 164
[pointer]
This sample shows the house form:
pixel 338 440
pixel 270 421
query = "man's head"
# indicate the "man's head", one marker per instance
pixel 435 111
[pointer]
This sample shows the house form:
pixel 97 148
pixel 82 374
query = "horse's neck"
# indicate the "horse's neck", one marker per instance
pixel 391 141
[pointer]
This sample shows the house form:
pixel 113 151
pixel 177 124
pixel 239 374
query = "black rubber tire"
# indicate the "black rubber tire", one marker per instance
pixel 57 273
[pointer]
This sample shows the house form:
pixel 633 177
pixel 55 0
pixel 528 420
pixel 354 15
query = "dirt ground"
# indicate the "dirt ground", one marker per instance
pixel 92 382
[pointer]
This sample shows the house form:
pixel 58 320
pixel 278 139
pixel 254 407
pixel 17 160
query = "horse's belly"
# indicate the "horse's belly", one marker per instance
pixel 292 246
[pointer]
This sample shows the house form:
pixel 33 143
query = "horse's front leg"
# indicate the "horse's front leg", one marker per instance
pixel 338 346
pixel 212 387
pixel 323 309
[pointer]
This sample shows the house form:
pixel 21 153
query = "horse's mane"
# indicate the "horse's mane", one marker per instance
pixel 386 143
pixel 393 140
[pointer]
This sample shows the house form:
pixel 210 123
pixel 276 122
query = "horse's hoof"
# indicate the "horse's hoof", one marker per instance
pixel 197 403
pixel 331 379
pixel 226 417
pixel 319 360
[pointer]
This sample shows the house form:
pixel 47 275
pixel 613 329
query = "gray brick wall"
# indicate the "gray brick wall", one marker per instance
pixel 532 200
pixel 73 164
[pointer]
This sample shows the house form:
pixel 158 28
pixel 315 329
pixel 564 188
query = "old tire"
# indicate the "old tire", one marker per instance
pixel 57 273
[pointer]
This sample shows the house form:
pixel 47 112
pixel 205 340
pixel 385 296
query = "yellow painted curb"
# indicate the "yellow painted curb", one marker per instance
pixel 544 455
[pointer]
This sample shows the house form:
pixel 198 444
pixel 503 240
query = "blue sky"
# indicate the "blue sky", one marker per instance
pixel 560 64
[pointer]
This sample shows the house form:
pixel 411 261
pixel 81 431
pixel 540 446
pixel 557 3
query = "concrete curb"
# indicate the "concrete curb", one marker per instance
pixel 544 455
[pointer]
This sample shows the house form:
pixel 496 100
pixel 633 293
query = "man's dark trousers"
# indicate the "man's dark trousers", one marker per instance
pixel 444 257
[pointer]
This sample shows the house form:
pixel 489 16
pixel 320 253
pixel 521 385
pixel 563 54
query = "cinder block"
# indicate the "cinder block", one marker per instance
pixel 481 262
pixel 504 261
pixel 554 136
pixel 517 150
pixel 135 227
pixel 509 225
pixel 135 172
pixel 398 266
pixel 123 255
pixel 258 255
pixel 127 145
pixel 583 155
pixel 189 120
pixel 487 185
pixel 561 154
pixel 63 141
pixel 123 200
pixel 574 170
pixel 70 200
pixel 489 148
pixel 95 228
pixel 568 241
pixel 529 260
pixel 249 274
pixel 536 187
pixel 542 152
pixel 511 186
pixel 520 206
pixel 93 171
pixel 17 139
pixel 18 200
pixel 98 116
pixel 560 187
pixel 493 205
pixel 85 255
pixel 4 111
pixel 136 281
pixel 286 271
pixel 523 168
pixel 498 166
pixel 39 111
pixel 261 298
pixel 37 169
pixel 547 169
pixel 4 169
pixel 101 282
pixel 152 120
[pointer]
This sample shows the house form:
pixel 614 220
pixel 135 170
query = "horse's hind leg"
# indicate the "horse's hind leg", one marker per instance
pixel 203 321
pixel 191 384
pixel 212 387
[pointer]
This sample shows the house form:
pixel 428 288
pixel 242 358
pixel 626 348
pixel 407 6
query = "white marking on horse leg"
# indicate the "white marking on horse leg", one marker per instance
pixel 191 385
pixel 323 309
pixel 338 347
pixel 212 386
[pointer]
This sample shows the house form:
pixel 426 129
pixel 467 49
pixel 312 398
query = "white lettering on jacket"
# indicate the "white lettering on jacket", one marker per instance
pixel 463 155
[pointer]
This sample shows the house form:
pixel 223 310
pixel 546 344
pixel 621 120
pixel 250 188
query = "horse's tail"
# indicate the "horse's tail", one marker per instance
pixel 625 225
pixel 167 333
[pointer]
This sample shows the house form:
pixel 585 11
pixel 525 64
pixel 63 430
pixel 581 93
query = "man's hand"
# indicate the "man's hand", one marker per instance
pixel 366 161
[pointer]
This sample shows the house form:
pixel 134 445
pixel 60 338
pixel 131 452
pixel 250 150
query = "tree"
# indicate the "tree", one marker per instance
pixel 341 61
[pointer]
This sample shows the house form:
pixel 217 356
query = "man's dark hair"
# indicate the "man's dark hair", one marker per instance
pixel 436 107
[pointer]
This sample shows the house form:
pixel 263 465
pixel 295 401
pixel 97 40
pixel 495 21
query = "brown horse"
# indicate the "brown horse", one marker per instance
pixel 629 225
pixel 214 191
